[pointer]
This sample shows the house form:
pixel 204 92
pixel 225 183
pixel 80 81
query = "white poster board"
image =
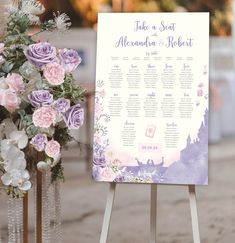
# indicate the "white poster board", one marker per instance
pixel 151 103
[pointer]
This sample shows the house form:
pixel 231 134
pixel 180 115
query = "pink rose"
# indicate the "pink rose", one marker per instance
pixel 52 149
pixel 44 117
pixel 54 73
pixel 15 82
pixel 107 174
pixel 9 99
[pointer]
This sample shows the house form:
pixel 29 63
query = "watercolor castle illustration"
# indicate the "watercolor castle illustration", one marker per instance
pixel 191 168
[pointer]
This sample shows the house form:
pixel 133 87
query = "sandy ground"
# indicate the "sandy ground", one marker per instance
pixel 84 203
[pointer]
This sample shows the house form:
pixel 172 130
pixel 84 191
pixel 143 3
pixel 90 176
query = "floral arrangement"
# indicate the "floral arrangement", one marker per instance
pixel 38 98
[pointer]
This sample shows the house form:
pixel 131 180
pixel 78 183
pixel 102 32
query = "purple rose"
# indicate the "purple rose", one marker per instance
pixel 69 59
pixel 40 54
pixel 39 142
pixel 40 98
pixel 62 105
pixel 74 117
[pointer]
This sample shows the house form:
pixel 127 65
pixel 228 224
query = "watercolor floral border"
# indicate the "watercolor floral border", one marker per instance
pixel 191 168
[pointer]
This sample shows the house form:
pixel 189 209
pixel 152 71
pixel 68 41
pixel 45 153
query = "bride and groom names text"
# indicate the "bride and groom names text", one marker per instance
pixel 150 40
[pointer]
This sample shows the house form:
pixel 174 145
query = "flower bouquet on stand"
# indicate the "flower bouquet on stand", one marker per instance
pixel 39 104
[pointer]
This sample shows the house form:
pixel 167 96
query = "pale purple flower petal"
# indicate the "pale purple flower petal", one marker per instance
pixel 39 142
pixel 69 59
pixel 40 54
pixel 62 105
pixel 39 98
pixel 74 117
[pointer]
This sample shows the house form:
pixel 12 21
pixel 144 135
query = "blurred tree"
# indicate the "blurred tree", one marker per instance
pixel 150 6
pixel 63 6
pixel 84 12
pixel 88 9
pixel 220 12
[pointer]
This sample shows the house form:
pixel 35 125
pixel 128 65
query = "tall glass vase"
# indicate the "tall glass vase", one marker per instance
pixel 15 220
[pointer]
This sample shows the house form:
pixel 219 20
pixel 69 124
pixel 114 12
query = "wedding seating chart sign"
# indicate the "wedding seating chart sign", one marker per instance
pixel 151 102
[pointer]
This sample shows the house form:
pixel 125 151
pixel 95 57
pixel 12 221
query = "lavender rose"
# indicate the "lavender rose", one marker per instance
pixel 62 105
pixel 40 98
pixel 74 117
pixel 39 142
pixel 40 54
pixel 69 59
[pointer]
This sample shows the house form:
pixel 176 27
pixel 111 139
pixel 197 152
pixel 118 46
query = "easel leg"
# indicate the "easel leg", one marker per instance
pixel 194 216
pixel 153 216
pixel 108 213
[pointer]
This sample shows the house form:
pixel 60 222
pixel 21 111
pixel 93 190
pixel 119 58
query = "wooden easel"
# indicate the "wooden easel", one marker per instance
pixel 153 211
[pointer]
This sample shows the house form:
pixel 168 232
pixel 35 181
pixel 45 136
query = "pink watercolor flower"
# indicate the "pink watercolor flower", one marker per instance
pixel 97 140
pixel 9 99
pixel 54 73
pixel 107 174
pixel 102 93
pixel 44 117
pixel 98 109
pixel 15 82
pixel 52 149
pixel 117 163
pixel 200 92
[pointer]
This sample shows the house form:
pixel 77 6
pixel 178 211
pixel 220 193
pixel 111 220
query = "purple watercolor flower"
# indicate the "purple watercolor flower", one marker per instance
pixel 99 161
pixel 98 149
pixel 40 98
pixel 40 54
pixel 62 105
pixel 120 178
pixel 39 142
pixel 69 59
pixel 74 117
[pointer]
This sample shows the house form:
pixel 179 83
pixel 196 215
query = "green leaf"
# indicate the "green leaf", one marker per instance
pixel 31 131
pixel 57 172
pixel 7 67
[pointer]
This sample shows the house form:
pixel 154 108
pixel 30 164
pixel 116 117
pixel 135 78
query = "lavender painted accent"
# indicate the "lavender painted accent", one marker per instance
pixel 99 158
pixel 191 168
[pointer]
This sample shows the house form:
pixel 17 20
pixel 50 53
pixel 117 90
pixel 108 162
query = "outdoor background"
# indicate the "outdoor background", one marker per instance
pixel 83 200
